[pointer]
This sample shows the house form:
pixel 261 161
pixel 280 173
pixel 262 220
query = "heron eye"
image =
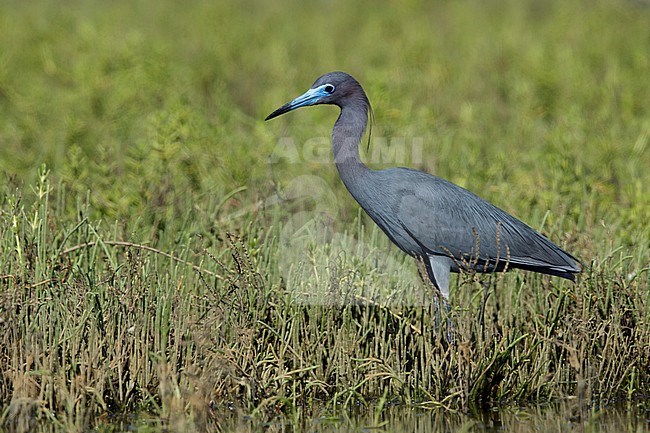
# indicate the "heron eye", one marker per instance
pixel 328 88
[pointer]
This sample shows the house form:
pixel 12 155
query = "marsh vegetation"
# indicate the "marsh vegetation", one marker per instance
pixel 163 251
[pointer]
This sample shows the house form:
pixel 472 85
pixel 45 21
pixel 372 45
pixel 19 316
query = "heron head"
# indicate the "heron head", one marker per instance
pixel 332 88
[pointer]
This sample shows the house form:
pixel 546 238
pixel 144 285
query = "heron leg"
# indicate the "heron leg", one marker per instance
pixel 439 271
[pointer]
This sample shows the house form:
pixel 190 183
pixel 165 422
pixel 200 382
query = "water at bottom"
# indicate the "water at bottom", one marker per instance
pixel 565 417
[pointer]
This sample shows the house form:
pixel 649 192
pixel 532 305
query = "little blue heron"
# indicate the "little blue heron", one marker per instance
pixel 439 223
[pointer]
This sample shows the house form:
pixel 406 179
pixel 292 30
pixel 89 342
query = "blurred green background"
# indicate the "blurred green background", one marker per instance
pixel 149 116
pixel 156 107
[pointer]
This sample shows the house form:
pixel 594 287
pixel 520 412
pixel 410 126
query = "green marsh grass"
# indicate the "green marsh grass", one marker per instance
pixel 153 260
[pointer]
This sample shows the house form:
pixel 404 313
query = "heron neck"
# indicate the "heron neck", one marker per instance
pixel 346 136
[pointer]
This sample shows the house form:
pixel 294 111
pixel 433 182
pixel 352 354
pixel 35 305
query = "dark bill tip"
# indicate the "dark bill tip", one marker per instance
pixel 280 111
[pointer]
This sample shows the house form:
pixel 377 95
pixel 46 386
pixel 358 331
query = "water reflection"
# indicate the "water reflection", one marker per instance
pixel 559 418
pixel 567 418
